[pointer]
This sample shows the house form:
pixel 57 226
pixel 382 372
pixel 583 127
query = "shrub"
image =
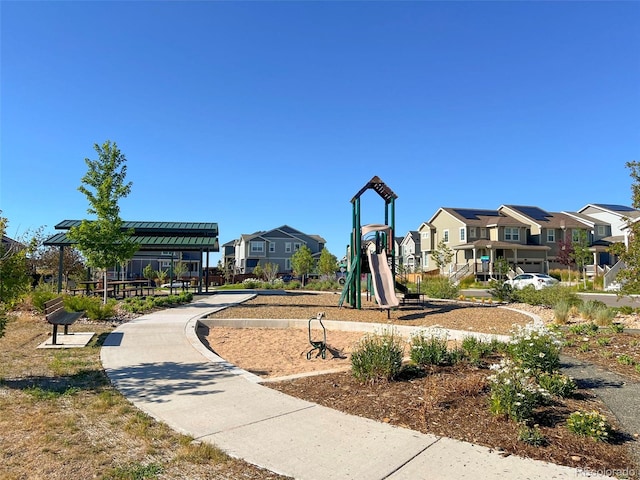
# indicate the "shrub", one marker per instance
pixel 584 329
pixel 377 357
pixel 96 310
pixel 476 349
pixel 514 392
pixel 532 436
pixel 429 350
pixel 561 312
pixel 589 424
pixel 467 281
pixel 557 384
pixel 500 290
pixel 604 316
pixel 589 308
pixel 547 297
pixel 251 283
pixel 440 287
pixel 42 294
pixel 535 349
pixel 616 328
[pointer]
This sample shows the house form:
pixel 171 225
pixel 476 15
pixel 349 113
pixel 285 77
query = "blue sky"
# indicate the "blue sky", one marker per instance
pixel 259 114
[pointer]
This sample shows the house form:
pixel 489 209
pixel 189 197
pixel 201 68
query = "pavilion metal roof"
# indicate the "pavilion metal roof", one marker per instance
pixel 163 236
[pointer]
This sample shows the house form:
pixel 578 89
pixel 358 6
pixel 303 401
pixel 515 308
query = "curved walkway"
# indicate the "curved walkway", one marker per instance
pixel 159 364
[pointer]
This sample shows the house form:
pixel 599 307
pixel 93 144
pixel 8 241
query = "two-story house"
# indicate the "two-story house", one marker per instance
pixel 550 229
pixel 478 237
pixel 410 251
pixel 275 246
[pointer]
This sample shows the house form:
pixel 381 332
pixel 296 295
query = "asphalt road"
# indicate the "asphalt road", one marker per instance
pixel 612 300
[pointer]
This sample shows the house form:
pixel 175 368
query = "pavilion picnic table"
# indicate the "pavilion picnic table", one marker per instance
pixel 56 315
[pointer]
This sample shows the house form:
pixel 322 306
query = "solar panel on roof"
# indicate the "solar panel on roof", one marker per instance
pixel 534 212
pixel 615 208
pixel 473 214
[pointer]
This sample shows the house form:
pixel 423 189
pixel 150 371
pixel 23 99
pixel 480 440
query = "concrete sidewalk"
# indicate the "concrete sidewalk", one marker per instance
pixel 159 364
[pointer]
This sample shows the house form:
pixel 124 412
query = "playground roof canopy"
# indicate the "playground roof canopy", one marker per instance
pixel 176 236
pixel 380 187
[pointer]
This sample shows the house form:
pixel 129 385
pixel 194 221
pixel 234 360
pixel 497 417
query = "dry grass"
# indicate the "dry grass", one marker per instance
pixel 61 419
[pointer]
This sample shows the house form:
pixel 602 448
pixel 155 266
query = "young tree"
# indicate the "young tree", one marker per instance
pixel 630 254
pixel 179 269
pixel 442 255
pixel 581 254
pixel 103 241
pixel 270 271
pixel 328 264
pixel 565 253
pixel 302 261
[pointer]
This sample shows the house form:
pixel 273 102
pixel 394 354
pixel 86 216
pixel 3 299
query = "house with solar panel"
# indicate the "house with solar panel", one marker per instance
pixel 478 238
pixel 527 237
pixel 275 246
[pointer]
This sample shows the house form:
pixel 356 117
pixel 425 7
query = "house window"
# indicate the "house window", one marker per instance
pixel 602 231
pixel 425 235
pixel 483 233
pixel 272 247
pixel 551 235
pixel 472 232
pixel 257 247
pixel 445 236
pixel 512 233
pixel 165 264
pixel 296 246
pixel 575 235
pixel 287 247
pixel 463 232
pixel 287 264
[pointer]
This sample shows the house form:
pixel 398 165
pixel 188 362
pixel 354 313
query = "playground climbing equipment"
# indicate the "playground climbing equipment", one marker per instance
pixel 357 255
pixel 320 345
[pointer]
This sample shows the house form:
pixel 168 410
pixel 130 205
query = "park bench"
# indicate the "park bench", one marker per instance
pixel 56 315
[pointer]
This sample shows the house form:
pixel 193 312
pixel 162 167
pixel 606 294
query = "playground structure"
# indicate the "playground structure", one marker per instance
pixel 372 251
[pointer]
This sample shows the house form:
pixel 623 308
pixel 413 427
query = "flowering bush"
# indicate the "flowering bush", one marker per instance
pixel 514 391
pixel 589 424
pixel 378 357
pixel 251 283
pixel 535 348
pixel 557 384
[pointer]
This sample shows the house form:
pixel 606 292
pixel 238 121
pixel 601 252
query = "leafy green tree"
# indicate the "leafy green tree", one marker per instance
pixel 327 264
pixel 179 269
pixel 103 241
pixel 258 271
pixel 302 261
pixel 442 255
pixel 15 268
pixel 630 254
pixel 147 272
pixel 501 267
pixel 72 262
pixel 581 254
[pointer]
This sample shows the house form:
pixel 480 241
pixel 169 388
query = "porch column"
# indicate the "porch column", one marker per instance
pixel 515 260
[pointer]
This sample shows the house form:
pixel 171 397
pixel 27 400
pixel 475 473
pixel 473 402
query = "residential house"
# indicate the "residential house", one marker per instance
pixel 479 237
pixel 275 246
pixel 410 252
pixel 427 233
pixel 614 215
pixel 549 229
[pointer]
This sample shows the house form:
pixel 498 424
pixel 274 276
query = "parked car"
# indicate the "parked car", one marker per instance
pixel 538 280
pixel 176 284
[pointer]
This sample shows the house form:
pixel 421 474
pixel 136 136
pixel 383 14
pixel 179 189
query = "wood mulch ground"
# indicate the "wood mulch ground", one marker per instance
pixel 451 401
